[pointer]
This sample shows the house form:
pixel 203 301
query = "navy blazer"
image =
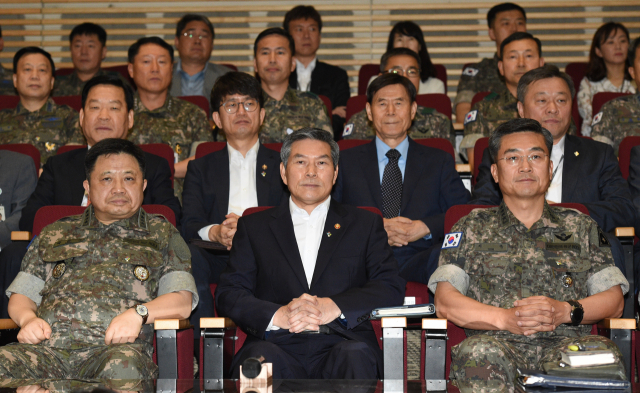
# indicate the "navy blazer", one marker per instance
pixel 63 175
pixel 431 184
pixel 590 176
pixel 355 268
pixel 206 188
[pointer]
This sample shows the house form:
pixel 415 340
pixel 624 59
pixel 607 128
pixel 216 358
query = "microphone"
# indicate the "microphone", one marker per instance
pixel 252 367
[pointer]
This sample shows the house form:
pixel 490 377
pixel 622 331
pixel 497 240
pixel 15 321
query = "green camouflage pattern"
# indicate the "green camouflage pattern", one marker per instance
pixel 428 123
pixel 98 284
pixel 487 78
pixel 492 111
pixel 81 385
pixel 6 82
pixel 296 110
pixel 72 85
pixel 619 118
pixel 47 129
pixel 506 262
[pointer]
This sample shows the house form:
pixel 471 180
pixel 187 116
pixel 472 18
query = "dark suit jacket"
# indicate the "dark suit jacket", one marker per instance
pixel 63 175
pixel 592 177
pixel 355 268
pixel 431 185
pixel 634 182
pixel 206 188
pixel 330 81
pixel 18 179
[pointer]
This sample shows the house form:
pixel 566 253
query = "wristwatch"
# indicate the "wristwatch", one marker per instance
pixel 577 312
pixel 142 310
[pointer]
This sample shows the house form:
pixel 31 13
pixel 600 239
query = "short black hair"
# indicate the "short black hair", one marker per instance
pixel 410 29
pixel 301 12
pixel 513 126
pixel 496 9
pixel 387 79
pixel 316 134
pixel 545 72
pixel 274 31
pixel 28 50
pixel 182 24
pixel 89 29
pixel 109 146
pixel 108 80
pixel 235 83
pixel 519 36
pixel 135 47
pixel 631 58
pixel 398 52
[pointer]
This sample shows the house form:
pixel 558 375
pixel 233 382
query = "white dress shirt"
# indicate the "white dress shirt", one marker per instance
pixel 308 229
pixel 85 197
pixel 304 74
pixel 554 193
pixel 242 184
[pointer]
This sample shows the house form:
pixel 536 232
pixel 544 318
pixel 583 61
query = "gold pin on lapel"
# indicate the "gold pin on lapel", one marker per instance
pixel 337 226
pixel 264 167
pixel 577 154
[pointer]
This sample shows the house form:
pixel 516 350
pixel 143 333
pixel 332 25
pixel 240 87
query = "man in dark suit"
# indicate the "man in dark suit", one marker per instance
pixel 584 171
pixel 305 26
pixel 221 185
pixel 427 182
pixel 312 265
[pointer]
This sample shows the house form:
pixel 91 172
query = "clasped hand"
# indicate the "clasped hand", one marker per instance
pixel 401 230
pixel 306 313
pixel 224 232
pixel 535 314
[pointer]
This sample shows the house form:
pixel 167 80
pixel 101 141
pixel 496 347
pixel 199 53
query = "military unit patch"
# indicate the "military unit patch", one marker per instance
pixel 596 118
pixel 470 71
pixel 348 129
pixel 604 242
pixel 452 240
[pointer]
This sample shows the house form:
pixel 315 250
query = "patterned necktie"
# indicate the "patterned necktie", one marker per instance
pixel 392 186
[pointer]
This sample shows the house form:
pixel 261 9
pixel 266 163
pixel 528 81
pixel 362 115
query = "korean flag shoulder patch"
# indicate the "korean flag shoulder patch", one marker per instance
pixel 471 117
pixel 470 71
pixel 596 118
pixel 348 129
pixel 452 240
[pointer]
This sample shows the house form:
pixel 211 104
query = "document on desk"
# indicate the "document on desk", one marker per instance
pixel 415 310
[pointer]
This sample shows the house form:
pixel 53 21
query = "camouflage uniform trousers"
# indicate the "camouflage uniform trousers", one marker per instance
pixel 485 357
pixel 83 361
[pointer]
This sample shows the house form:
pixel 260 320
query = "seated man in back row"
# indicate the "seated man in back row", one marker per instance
pixel 91 285
pixel 525 279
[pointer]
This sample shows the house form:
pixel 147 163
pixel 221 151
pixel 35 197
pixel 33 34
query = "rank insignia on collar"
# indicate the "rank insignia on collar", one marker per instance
pixel 141 272
pixel 59 270
pixel 563 236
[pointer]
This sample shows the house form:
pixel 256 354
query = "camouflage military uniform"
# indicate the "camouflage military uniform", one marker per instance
pixel 428 123
pixel 496 260
pixel 479 77
pixel 177 123
pixel 81 274
pixel 487 115
pixel 71 85
pixel 617 119
pixel 6 82
pixel 296 110
pixel 47 129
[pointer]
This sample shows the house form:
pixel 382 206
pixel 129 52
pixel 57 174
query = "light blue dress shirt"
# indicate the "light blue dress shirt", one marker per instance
pixel 192 85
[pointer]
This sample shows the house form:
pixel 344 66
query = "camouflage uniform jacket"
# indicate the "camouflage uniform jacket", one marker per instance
pixel 71 85
pixel 296 110
pixel 428 123
pixel 6 82
pixel 493 258
pixel 82 273
pixel 487 115
pixel 479 77
pixel 47 129
pixel 618 119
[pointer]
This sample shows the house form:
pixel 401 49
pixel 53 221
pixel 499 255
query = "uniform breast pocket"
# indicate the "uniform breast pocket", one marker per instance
pixel 570 274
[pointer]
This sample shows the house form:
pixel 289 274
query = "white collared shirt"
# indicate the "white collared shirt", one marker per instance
pixel 85 197
pixel 304 74
pixel 242 185
pixel 554 193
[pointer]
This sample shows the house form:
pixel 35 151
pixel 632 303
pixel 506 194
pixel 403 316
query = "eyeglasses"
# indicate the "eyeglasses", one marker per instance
pixel 249 105
pixel 191 35
pixel 516 159
pixel 410 73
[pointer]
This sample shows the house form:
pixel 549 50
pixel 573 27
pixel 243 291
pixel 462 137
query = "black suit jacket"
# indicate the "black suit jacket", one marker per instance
pixel 591 177
pixel 431 185
pixel 63 175
pixel 355 268
pixel 206 188
pixel 330 81
pixel 634 182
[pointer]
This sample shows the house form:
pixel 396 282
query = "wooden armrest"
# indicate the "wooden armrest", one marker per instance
pixel 617 323
pixel 463 168
pixel 20 235
pixel 625 232
pixel 458 126
pixel 394 322
pixel 217 323
pixel 7 324
pixel 434 323
pixel 171 324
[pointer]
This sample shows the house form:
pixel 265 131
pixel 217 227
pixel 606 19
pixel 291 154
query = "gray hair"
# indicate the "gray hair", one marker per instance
pixel 309 133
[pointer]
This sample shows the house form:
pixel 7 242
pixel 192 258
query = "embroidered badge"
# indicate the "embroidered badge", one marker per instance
pixel 470 117
pixel 470 71
pixel 596 118
pixel 563 236
pixel 348 129
pixel 452 240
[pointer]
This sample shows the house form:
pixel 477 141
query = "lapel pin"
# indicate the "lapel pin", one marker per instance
pixel 337 226
pixel 328 234
pixel 264 166
pixel 264 174
pixel 577 154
